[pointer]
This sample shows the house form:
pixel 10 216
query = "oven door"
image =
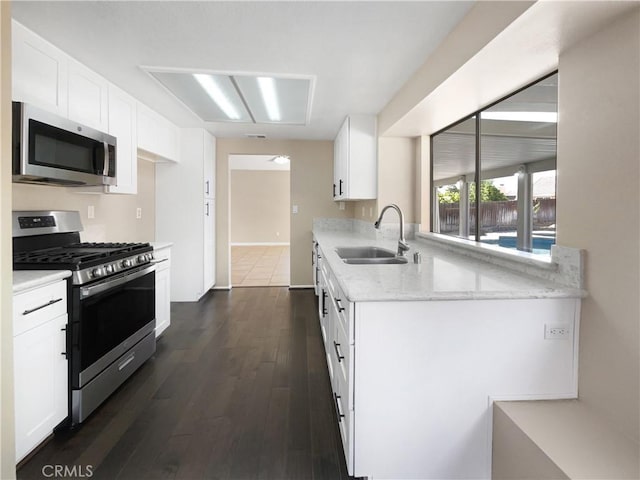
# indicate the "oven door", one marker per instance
pixel 109 317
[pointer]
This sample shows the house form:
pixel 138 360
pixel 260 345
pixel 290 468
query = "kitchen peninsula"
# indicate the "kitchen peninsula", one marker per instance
pixel 418 352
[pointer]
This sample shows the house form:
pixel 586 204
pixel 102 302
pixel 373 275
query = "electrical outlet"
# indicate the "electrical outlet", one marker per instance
pixel 138 212
pixel 91 211
pixel 340 205
pixel 294 209
pixel 556 331
pixel 362 212
pixel 370 212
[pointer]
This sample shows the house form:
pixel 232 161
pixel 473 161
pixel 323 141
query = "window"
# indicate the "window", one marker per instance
pixel 509 150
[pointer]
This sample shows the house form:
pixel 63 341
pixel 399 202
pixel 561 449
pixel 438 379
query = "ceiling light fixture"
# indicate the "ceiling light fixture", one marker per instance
pixel 268 90
pixel 548 117
pixel 280 159
pixel 208 83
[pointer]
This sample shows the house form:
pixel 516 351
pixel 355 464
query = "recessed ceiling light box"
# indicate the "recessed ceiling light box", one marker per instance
pixel 240 97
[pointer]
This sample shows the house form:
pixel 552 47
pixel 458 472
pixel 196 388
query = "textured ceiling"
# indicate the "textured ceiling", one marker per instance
pixel 361 53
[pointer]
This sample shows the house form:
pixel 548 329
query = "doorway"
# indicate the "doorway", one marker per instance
pixel 259 220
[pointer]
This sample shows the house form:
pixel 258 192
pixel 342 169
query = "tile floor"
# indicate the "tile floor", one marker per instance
pixel 259 266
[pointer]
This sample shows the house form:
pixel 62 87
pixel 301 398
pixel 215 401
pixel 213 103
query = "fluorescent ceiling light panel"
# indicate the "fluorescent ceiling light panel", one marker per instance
pixel 293 96
pixel 548 117
pixel 229 97
pixel 209 84
pixel 268 89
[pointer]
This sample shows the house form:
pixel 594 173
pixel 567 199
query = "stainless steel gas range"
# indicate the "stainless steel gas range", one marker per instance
pixel 111 308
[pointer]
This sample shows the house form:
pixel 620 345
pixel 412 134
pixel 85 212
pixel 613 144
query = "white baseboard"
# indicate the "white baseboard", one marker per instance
pixel 260 244
pixel 295 287
pixel 222 288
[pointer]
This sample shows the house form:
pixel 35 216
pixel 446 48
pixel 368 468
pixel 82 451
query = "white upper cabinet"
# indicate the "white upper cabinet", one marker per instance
pixel 355 162
pixel 39 71
pixel 158 138
pixel 123 126
pixel 87 97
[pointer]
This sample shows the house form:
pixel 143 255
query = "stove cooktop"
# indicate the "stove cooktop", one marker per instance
pixel 78 255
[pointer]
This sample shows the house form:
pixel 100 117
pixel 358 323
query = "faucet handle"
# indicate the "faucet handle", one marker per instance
pixel 402 247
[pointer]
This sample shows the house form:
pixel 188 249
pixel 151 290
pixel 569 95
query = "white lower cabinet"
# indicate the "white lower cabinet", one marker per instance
pixel 40 364
pixel 163 288
pixel 413 382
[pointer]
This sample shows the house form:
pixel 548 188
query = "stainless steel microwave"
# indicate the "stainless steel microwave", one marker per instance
pixel 52 150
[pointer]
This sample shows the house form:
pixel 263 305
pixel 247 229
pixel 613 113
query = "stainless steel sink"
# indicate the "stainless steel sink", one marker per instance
pixel 365 252
pixel 376 261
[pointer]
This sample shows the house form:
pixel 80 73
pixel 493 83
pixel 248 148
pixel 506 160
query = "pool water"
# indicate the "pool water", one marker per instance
pixel 541 244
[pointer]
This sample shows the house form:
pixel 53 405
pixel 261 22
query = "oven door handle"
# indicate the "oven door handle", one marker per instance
pixel 86 292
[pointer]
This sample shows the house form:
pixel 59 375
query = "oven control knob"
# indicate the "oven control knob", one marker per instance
pixel 142 258
pixel 109 269
pixel 97 272
pixel 126 263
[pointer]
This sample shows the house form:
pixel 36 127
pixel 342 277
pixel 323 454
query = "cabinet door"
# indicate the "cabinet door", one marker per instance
pixel 157 135
pixel 39 71
pixel 163 296
pixel 40 373
pixel 355 159
pixel 209 244
pixel 123 126
pixel 209 166
pixel 88 97
pixel 341 162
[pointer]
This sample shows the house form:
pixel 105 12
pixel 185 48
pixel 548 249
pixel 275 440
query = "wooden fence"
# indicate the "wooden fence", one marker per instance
pixel 498 216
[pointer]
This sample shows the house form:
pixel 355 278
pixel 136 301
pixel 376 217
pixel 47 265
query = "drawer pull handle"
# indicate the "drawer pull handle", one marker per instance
pixel 51 302
pixel 335 346
pixel 127 361
pixel 324 302
pixel 340 414
pixel 64 329
pixel 339 305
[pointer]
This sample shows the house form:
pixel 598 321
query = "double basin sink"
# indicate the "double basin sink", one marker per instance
pixel 369 255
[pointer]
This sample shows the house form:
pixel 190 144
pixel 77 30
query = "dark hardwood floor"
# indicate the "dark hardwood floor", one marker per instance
pixel 238 389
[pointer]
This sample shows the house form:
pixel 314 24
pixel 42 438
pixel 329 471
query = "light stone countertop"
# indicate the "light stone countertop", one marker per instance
pixel 442 274
pixel 24 280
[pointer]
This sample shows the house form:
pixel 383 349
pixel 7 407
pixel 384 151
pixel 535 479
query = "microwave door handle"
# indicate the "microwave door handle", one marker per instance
pixel 105 171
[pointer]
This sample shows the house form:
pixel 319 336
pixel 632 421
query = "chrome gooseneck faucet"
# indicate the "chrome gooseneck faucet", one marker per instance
pixel 403 246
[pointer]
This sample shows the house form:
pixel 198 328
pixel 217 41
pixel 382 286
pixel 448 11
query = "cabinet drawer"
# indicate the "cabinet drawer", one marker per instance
pixel 34 307
pixel 345 311
pixel 324 268
pixel 343 354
